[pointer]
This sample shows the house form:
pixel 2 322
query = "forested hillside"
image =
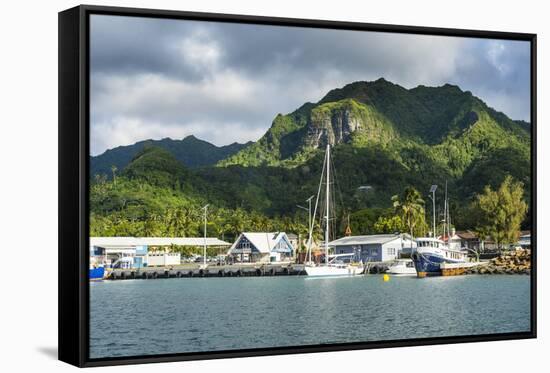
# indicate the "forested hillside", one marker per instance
pixel 386 138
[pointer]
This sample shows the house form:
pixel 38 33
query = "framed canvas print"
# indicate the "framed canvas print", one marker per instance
pixel 234 186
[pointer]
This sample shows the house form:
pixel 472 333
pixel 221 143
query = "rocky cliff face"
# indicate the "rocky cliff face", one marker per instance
pixel 346 121
pixel 334 128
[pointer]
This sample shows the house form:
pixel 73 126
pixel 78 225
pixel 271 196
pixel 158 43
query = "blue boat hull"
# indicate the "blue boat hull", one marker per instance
pixel 97 273
pixel 427 264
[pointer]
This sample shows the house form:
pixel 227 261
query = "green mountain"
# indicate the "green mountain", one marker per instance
pixel 157 166
pixel 190 151
pixel 384 136
pixel 446 124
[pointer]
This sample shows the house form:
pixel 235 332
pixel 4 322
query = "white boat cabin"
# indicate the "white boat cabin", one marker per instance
pixel 430 244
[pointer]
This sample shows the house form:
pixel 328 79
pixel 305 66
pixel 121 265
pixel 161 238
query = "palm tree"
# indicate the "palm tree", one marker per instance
pixel 114 169
pixel 177 220
pixel 411 208
pixel 287 225
pixel 237 221
pixel 216 223
pixel 150 225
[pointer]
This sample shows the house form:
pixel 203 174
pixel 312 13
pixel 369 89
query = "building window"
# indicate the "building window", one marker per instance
pixel 244 244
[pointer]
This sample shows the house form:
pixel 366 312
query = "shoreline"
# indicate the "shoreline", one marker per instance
pixel 516 262
pixel 513 263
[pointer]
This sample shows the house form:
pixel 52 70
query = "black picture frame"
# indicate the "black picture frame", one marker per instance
pixel 73 182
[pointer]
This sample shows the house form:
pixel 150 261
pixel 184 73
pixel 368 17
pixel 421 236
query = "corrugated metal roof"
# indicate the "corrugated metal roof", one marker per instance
pixel 263 241
pixel 364 240
pixel 155 241
pixel 466 235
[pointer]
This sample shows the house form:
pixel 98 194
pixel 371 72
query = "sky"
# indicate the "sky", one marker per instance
pixel 224 83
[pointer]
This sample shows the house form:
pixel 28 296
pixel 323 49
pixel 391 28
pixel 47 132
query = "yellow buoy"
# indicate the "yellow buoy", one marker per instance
pixel 386 278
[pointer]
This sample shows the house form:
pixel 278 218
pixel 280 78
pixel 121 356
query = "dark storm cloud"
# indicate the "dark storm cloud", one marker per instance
pixel 225 82
pixel 126 45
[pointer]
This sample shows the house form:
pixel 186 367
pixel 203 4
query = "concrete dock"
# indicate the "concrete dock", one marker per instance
pixel 195 270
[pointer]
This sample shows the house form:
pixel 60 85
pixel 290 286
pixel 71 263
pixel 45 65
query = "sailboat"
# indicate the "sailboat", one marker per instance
pixel 330 267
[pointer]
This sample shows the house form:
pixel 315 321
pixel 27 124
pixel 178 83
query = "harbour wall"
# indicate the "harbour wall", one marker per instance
pixel 210 271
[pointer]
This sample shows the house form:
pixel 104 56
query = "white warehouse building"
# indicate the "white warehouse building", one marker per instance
pixel 374 248
pixel 135 251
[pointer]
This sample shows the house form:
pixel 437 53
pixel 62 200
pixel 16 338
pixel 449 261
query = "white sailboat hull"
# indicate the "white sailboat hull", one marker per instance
pixel 402 267
pixel 402 271
pixel 329 271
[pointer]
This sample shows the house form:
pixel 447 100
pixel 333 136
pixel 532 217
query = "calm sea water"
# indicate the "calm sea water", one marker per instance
pixel 140 317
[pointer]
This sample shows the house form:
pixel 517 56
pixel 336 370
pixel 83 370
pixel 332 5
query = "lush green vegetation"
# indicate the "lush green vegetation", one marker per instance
pixel 500 212
pixel 389 142
pixel 410 209
pixel 156 195
pixel 190 151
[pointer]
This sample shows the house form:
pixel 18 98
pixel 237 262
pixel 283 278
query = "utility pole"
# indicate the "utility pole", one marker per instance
pixel 204 250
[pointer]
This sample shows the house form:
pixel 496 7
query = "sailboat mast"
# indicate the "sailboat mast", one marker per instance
pixel 446 213
pixel 327 227
pixel 448 219
pixel 317 199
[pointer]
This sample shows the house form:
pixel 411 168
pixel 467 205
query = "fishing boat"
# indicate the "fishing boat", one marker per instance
pixel 431 253
pixel 402 267
pixel 331 267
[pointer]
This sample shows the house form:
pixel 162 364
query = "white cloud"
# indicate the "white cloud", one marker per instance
pixel 495 54
pixel 200 52
pixel 132 108
pixel 226 82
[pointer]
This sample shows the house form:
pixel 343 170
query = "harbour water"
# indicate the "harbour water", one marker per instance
pixel 140 317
